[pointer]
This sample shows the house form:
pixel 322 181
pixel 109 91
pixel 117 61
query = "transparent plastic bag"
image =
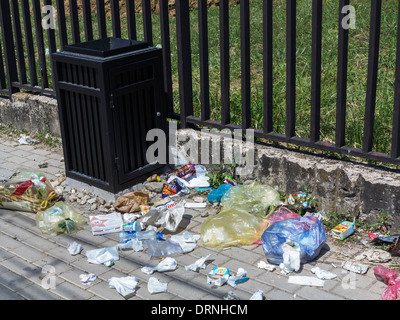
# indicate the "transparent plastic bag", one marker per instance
pixel 27 190
pixel 281 214
pixel 167 218
pixel 232 227
pixel 255 198
pixel 59 218
pixel 307 232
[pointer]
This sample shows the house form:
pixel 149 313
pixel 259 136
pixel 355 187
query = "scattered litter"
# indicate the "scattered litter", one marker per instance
pixel 344 230
pixel 291 257
pixel 392 279
pixel 195 205
pixel 124 285
pixel 258 295
pixel 133 244
pixel 26 140
pixel 167 264
pixel 375 255
pixel 282 213
pixel 155 286
pixel 323 274
pixel 105 256
pixel 321 215
pixel 59 218
pixel 157 248
pixel 74 248
pixel 231 296
pixel 131 202
pixel 88 278
pixel 187 241
pixel 106 223
pixel 198 264
pixel 240 277
pixel 218 276
pixel 355 267
pixel 266 266
pixel 216 194
pixel 306 281
pixel 154 178
pixel 167 218
pixel 43 164
pixel 185 172
pixel 299 199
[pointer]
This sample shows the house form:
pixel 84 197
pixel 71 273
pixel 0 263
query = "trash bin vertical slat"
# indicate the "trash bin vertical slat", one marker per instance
pixel 290 68
pixel 116 23
pixel 101 19
pixel 62 24
pixel 147 25
pixel 396 106
pixel 204 61
pixel 73 14
pixel 245 62
pixel 87 20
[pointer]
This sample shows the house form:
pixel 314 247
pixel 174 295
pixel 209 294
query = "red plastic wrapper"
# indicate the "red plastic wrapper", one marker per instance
pixel 184 172
pixel 392 279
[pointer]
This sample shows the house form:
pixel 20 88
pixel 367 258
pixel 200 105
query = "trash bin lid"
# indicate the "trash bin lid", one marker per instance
pixel 106 47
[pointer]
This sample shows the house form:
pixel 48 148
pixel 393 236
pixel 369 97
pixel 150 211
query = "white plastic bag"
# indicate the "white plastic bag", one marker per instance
pixel 74 248
pixel 167 218
pixel 323 274
pixel 133 244
pixel 168 264
pixel 258 295
pixel 306 281
pixel 187 241
pixel 155 286
pixel 124 285
pixel 291 257
pixel 198 264
pixel 102 256
pixel 240 274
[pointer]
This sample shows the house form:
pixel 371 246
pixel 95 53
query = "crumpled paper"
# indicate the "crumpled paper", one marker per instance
pixel 74 248
pixel 124 285
pixel 131 202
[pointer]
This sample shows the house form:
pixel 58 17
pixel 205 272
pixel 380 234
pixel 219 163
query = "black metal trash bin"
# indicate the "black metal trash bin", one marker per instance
pixel 110 94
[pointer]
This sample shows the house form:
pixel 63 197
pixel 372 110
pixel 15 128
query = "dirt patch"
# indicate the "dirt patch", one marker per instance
pixel 154 4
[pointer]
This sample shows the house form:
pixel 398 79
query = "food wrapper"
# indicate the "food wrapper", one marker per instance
pixel 184 172
pixel 27 190
pixel 174 188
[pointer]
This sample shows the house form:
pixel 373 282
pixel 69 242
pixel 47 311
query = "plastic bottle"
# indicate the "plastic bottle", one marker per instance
pixel 146 235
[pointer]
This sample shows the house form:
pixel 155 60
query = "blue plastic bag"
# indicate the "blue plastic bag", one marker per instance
pixel 307 232
pixel 217 194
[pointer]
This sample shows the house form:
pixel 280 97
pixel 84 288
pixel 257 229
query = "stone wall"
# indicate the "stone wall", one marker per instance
pixel 30 112
pixel 341 186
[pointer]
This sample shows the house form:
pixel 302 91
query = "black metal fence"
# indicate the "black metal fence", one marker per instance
pixel 19 33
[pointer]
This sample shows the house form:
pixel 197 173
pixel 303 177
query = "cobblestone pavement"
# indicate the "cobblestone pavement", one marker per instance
pixel 26 254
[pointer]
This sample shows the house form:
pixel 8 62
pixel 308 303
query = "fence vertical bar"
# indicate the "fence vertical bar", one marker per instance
pixel 245 62
pixel 166 48
pixel 224 61
pixel 131 18
pixel 375 30
pixel 62 24
pixel 204 61
pixel 395 152
pixel 116 22
pixel 316 70
pixel 51 39
pixel 290 68
pixel 3 84
pixel 18 41
pixel 267 65
pixel 341 100
pixel 184 60
pixel 73 14
pixel 101 19
pixel 87 20
pixel 147 26
pixel 40 43
pixel 8 45
pixel 29 42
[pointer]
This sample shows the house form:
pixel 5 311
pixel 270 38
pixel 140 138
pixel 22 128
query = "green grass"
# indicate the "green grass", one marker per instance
pixel 357 71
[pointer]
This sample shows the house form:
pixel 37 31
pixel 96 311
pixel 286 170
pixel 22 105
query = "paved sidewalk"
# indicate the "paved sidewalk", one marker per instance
pixel 26 253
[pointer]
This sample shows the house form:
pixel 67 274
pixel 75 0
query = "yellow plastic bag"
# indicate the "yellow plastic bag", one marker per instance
pixel 27 190
pixel 59 218
pixel 257 199
pixel 232 227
